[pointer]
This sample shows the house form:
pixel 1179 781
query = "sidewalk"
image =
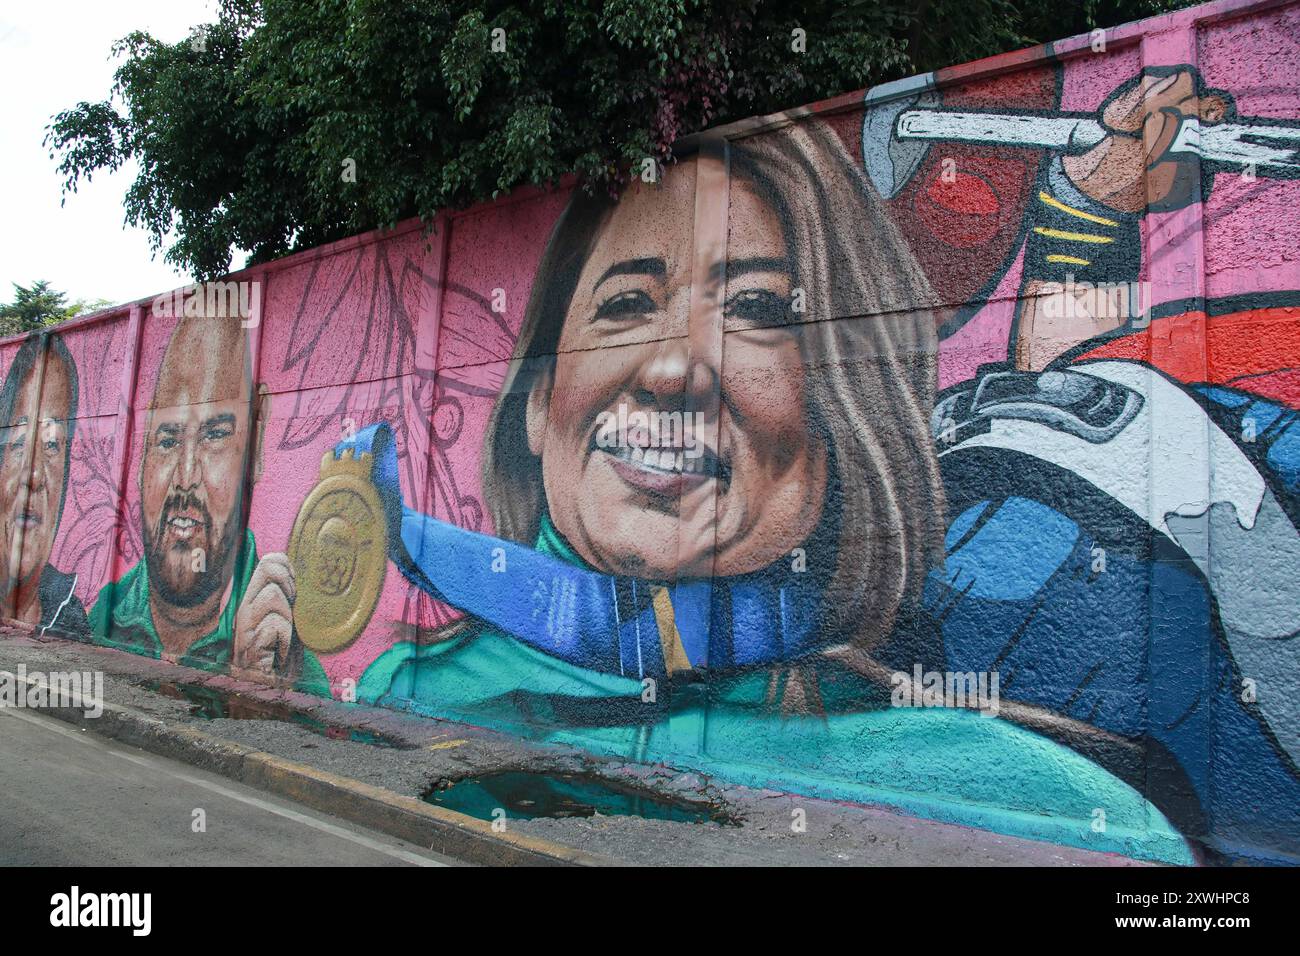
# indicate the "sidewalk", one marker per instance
pixel 372 766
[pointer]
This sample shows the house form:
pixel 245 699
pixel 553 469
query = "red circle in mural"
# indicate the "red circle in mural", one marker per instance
pixel 961 210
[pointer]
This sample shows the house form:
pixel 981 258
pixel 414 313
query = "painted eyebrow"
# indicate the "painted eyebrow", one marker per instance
pixel 167 429
pixel 736 267
pixel 647 267
pixel 224 419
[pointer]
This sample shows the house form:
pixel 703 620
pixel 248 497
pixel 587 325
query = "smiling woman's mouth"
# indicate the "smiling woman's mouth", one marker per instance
pixel 669 470
pixel 28 519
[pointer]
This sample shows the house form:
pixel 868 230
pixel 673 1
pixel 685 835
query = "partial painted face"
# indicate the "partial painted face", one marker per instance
pixel 191 479
pixel 645 505
pixel 34 466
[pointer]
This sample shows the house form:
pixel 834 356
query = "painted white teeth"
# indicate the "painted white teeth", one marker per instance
pixel 665 459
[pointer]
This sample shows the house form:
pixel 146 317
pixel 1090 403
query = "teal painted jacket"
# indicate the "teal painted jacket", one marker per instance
pixel 990 772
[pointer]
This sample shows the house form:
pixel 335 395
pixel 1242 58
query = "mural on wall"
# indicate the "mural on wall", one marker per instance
pixel 198 593
pixel 936 453
pixel 38 409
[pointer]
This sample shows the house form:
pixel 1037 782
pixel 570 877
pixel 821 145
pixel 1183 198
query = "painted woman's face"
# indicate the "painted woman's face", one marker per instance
pixel 741 483
pixel 31 479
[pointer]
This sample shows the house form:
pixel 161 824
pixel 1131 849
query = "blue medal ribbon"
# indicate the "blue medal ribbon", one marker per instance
pixel 603 622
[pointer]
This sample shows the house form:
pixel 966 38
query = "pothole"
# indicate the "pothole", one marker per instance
pixel 526 795
pixel 207 703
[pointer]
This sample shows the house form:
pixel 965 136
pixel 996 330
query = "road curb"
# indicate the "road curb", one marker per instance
pixel 406 818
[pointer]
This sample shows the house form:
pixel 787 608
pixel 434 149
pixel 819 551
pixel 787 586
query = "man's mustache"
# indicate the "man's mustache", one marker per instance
pixel 182 502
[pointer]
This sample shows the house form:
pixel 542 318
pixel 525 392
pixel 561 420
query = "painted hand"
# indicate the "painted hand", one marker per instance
pixel 1132 168
pixel 264 622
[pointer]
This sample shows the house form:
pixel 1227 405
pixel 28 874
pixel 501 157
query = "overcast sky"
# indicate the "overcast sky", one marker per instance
pixel 53 54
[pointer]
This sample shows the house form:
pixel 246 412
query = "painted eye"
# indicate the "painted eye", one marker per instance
pixel 623 304
pixel 758 308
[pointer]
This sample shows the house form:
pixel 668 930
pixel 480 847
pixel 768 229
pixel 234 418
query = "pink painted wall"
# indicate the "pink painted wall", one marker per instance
pixel 401 328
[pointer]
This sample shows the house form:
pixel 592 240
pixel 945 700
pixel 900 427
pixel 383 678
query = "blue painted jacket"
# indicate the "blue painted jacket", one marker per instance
pixel 1137 606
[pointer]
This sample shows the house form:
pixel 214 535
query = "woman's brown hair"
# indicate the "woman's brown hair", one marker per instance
pixel 868 343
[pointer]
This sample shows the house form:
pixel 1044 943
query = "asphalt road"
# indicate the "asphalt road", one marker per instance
pixel 70 798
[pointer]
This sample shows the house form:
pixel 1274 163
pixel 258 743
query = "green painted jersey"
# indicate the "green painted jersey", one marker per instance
pixel 122 619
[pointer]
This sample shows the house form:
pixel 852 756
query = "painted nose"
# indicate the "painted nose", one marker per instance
pixel 675 376
pixel 675 379
pixel 30 463
pixel 188 470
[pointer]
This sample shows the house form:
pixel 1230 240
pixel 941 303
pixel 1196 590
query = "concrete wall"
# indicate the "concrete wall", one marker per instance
pixel 941 523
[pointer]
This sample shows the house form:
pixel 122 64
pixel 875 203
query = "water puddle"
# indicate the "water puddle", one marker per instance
pixel 209 704
pixel 526 796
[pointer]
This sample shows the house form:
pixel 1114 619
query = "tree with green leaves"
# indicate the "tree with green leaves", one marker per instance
pixel 289 123
pixel 37 305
